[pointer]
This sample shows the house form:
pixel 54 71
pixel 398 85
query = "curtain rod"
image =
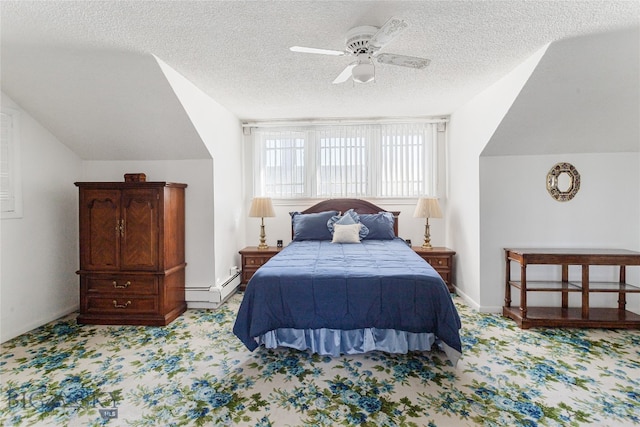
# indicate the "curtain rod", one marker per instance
pixel 329 122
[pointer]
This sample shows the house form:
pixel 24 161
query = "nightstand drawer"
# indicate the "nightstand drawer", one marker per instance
pixel 256 261
pixel 438 261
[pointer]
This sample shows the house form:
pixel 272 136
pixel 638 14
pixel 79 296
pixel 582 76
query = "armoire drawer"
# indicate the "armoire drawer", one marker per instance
pixel 122 285
pixel 122 305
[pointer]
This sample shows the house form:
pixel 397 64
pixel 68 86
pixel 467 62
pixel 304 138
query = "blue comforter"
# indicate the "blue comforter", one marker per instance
pixel 375 284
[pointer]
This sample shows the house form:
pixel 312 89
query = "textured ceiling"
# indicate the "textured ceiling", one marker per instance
pixel 237 51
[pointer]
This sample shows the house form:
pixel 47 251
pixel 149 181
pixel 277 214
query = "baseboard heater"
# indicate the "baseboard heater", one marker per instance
pixel 215 295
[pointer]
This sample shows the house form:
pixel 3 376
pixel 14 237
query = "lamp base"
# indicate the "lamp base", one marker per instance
pixel 427 237
pixel 263 244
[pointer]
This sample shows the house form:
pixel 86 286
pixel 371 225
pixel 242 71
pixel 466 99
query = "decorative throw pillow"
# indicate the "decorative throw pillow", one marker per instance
pixel 311 226
pixel 349 217
pixel 346 233
pixel 380 226
pixel 340 219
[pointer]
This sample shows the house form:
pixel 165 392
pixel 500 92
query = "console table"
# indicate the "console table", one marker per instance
pixel 565 316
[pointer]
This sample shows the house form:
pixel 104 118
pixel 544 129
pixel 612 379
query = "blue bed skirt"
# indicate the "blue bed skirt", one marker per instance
pixel 334 342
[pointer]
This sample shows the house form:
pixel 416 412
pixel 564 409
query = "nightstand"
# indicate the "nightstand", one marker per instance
pixel 252 259
pixel 441 259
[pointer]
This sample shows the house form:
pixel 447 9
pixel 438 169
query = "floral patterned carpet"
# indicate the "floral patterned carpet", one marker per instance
pixel 195 372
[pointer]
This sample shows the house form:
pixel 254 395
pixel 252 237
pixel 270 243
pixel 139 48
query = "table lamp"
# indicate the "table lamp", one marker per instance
pixel 261 207
pixel 427 207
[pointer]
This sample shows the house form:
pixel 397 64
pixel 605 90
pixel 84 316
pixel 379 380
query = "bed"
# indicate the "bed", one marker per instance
pixel 327 296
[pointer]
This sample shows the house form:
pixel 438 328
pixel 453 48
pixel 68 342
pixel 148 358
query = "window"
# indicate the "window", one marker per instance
pixel 370 160
pixel 10 188
pixel 282 159
pixel 341 162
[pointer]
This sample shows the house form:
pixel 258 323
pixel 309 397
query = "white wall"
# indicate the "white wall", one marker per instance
pixel 471 128
pixel 566 112
pixel 221 133
pixel 40 250
pixel 517 211
pixel 39 255
pixel 213 196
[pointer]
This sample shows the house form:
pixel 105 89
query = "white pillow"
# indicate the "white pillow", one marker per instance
pixel 343 233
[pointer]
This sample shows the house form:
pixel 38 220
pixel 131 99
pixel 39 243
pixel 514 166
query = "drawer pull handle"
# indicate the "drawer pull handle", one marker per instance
pixel 125 305
pixel 440 262
pixel 125 286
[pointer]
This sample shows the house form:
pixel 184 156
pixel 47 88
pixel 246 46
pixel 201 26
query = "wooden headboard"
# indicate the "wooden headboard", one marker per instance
pixel 358 205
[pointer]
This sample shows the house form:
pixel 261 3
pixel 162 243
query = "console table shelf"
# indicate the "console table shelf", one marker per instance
pixel 565 316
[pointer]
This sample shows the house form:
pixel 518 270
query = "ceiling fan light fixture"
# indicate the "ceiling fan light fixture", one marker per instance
pixel 364 72
pixel 365 43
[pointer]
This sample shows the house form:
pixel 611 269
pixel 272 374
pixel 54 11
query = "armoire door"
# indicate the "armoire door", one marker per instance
pixel 140 229
pixel 100 229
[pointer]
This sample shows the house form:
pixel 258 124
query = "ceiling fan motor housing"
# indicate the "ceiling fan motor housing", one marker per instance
pixel 357 40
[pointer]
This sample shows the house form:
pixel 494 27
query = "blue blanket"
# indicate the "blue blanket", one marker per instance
pixel 374 284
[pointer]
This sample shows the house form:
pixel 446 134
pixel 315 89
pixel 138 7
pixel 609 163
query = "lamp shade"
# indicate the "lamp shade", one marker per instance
pixel 261 207
pixel 427 207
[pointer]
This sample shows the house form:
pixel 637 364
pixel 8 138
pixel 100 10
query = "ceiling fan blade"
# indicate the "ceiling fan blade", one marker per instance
pixel 345 74
pixel 402 60
pixel 317 51
pixel 390 30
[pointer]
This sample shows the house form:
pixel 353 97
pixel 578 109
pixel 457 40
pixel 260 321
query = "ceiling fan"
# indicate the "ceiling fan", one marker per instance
pixel 365 43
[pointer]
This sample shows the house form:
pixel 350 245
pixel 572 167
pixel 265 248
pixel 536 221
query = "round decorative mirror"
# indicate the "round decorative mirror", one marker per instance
pixel 563 182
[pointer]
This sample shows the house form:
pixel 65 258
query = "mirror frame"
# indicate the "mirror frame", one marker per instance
pixel 552 181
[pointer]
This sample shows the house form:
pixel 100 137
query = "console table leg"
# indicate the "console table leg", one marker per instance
pixel 507 290
pixel 565 285
pixel 523 291
pixel 622 296
pixel 585 291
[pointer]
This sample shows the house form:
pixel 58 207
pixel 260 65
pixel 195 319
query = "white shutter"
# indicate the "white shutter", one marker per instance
pixel 10 197
pixel 7 193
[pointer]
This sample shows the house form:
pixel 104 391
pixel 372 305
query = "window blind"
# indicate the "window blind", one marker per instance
pixel 396 160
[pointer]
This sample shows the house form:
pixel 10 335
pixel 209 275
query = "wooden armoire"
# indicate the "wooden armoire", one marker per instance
pixel 132 252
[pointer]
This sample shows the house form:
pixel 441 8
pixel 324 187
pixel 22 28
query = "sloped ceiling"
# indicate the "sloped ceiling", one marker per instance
pixel 85 70
pixel 103 104
pixel 583 97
